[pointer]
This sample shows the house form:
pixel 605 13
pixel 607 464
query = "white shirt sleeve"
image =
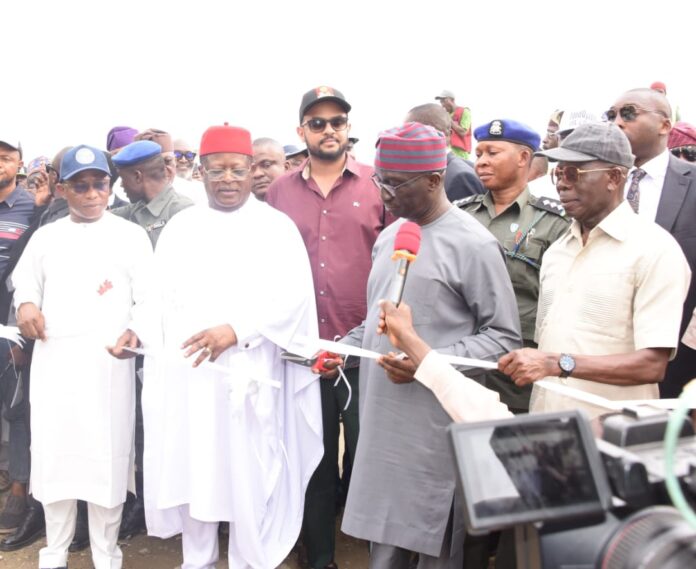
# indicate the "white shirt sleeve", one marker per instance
pixel 462 398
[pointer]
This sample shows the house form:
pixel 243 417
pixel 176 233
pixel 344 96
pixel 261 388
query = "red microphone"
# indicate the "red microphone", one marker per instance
pixel 406 246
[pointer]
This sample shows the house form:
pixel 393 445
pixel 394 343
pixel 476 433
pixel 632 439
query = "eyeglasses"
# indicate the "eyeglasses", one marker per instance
pixel 629 113
pixel 687 153
pixel 570 174
pixel 84 187
pixel 218 174
pixel 178 154
pixel 50 169
pixel 391 190
pixel 318 124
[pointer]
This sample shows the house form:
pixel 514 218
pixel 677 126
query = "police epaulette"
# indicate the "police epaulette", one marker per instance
pixel 467 200
pixel 549 204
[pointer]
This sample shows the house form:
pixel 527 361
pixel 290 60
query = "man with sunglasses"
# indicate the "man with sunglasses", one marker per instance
pixel 185 158
pixel 222 443
pixel 339 213
pixel 661 188
pixel 402 495
pixel 682 141
pixel 80 286
pixel 612 288
pixel 524 225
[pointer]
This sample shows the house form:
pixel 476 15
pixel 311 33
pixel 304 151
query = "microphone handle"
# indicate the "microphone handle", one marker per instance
pixel 397 287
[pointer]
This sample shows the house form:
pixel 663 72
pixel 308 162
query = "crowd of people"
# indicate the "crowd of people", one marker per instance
pixel 159 385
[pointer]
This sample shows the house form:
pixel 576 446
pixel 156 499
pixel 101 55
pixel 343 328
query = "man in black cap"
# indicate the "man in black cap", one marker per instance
pixel 339 213
pixel 16 211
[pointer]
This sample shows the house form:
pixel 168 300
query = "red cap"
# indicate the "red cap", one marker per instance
pixel 408 238
pixel 659 85
pixel 682 134
pixel 226 138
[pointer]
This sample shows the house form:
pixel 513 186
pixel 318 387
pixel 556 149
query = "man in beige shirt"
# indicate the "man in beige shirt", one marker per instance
pixel 612 288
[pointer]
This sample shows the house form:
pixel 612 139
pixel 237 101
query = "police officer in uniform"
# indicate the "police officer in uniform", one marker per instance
pixel 148 187
pixel 524 225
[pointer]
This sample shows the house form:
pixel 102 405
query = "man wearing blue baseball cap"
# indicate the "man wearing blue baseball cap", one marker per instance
pixel 524 225
pixel 79 287
pixel 145 181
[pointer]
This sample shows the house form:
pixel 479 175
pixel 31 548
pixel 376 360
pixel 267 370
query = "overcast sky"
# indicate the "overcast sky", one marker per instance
pixel 82 67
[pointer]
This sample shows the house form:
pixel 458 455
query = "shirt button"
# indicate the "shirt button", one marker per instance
pixel 322 265
pixel 321 292
pixel 323 237
pixel 323 320
pixel 246 345
pixel 324 211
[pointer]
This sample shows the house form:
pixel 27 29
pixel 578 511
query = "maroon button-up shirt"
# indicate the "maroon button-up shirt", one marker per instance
pixel 339 231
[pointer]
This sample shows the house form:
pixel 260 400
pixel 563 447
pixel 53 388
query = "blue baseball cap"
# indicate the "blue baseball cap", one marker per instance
pixel 136 152
pixel 508 131
pixel 81 158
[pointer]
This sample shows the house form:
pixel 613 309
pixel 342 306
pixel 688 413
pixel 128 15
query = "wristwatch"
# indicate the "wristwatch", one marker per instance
pixel 567 364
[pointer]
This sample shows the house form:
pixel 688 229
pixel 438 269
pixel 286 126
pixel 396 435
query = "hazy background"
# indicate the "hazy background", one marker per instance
pixel 74 69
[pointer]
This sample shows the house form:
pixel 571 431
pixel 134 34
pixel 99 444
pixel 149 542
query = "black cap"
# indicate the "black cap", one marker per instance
pixel 321 94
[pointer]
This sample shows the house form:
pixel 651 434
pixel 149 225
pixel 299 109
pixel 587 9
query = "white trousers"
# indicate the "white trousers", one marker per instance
pixel 199 541
pixel 104 524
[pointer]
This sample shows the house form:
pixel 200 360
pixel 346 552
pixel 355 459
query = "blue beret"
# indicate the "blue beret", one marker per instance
pixel 136 152
pixel 509 131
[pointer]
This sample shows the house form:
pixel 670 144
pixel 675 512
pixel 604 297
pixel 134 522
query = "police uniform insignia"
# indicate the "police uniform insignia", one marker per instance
pixel 156 225
pixel 496 128
pixel 549 204
pixel 514 227
pixel 85 156
pixel 465 201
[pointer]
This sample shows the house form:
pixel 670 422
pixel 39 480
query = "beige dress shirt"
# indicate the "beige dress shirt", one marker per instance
pixel 621 292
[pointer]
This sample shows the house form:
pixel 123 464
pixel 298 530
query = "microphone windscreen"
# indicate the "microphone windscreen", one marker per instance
pixel 408 238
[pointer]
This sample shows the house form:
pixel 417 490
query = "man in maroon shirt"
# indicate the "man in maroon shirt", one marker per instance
pixel 339 213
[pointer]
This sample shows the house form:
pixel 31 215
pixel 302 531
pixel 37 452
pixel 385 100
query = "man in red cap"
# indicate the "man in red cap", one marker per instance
pixel 238 439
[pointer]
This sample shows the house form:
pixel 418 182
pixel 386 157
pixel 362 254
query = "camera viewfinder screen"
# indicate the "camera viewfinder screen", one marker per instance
pixel 525 471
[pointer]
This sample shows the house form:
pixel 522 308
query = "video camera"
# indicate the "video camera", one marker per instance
pixel 573 501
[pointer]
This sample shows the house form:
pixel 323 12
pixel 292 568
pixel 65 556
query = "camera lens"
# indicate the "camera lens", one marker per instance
pixel 654 538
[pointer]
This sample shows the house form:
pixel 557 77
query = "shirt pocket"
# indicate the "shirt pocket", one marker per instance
pixel 606 304
pixel 532 249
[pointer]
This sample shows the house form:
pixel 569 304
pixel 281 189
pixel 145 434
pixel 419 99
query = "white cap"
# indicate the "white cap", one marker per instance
pixel 573 119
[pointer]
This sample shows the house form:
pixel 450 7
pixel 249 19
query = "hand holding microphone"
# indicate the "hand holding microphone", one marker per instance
pixel 406 246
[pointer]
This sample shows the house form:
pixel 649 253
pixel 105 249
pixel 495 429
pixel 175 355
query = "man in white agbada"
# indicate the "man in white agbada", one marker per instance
pixel 80 286
pixel 234 284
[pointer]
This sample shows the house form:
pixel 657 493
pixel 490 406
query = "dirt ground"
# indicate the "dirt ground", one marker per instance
pixel 144 552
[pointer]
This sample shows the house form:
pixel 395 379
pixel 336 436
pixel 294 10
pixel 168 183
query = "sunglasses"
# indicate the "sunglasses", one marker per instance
pixel 178 154
pixel 391 190
pixel 571 174
pixel 84 187
pixel 319 125
pixel 629 113
pixel 218 174
pixel 687 153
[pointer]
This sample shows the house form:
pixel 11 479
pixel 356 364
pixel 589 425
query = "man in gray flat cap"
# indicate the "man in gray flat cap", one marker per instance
pixel 613 286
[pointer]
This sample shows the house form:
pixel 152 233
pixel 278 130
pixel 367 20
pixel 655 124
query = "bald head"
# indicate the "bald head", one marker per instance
pixel 655 99
pixel 269 164
pixel 644 115
pixel 433 115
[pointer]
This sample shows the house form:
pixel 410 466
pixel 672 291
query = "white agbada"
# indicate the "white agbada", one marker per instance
pixel 89 280
pixel 232 450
